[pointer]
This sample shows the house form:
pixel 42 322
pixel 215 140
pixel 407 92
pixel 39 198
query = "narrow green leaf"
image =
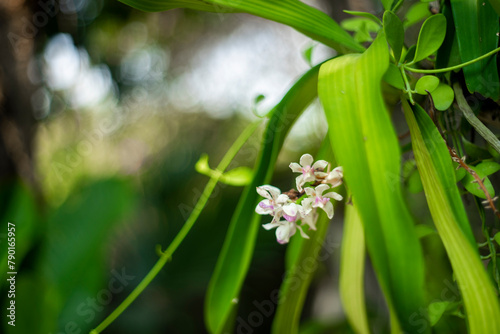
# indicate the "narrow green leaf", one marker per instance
pixel 448 54
pixel 476 26
pixel 237 250
pixel 393 28
pixel 306 19
pixel 365 144
pixel 474 121
pixel 431 37
pixel 352 268
pixel 450 219
pixel 364 14
pixel 425 84
pixel 443 97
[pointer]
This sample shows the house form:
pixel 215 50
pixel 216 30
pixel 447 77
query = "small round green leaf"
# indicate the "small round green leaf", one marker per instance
pixel 394 32
pixel 443 97
pixel 426 84
pixel 431 37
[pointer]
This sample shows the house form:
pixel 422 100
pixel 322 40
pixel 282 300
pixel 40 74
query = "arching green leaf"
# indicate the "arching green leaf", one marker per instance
pixel 352 268
pixel 296 14
pixel 365 144
pixel 436 170
pixel 476 26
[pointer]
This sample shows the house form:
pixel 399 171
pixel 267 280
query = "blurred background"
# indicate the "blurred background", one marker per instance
pixel 104 111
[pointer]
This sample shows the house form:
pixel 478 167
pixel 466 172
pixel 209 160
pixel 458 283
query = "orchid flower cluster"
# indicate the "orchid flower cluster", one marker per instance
pixel 300 205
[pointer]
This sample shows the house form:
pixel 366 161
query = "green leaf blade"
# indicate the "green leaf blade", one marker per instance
pixel 431 37
pixel 450 219
pixel 476 26
pixel 365 144
pixel 306 19
pixel 352 267
pixel 393 28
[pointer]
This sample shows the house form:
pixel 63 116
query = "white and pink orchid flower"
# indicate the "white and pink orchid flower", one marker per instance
pixel 273 202
pixel 316 199
pixel 310 171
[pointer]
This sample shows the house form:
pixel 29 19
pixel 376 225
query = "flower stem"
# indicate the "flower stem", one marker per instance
pixel 456 67
pixel 407 84
pixel 200 205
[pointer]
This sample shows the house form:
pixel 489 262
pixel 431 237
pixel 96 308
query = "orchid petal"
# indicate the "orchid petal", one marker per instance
pixel 321 188
pixel 282 199
pixel 328 208
pixel 299 181
pixel 302 233
pixel 309 191
pixel 334 195
pixel 295 167
pixel 306 160
pixel 320 164
pixel 262 191
pixel 269 226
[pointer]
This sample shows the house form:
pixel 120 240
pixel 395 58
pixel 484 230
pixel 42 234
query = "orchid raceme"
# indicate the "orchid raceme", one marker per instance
pixel 300 206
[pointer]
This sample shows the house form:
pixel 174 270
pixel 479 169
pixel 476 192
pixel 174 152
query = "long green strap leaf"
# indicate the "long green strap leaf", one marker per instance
pixel 294 13
pixel 352 269
pixel 473 120
pixel 436 171
pixel 234 260
pixel 476 26
pixel 301 263
pixel 365 144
